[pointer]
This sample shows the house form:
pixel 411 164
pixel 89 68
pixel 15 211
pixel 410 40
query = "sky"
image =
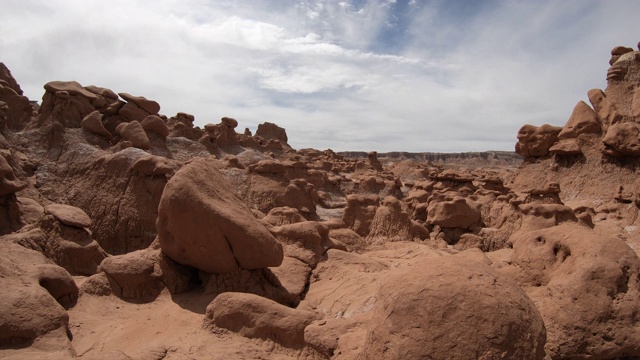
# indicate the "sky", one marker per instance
pixel 403 75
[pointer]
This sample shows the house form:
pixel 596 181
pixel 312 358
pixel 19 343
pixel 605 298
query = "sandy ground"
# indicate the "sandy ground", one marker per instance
pixel 171 327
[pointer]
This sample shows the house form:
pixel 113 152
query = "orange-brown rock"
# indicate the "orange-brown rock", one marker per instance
pixel 155 124
pixel 606 110
pixel 5 75
pixel 283 216
pixel 65 102
pixel 583 120
pixel 69 215
pixel 149 106
pixel 9 184
pixel 635 106
pixel 93 123
pixel 33 301
pixel 18 109
pixel 359 212
pixel 253 316
pixel 585 286
pixel 623 139
pixel 202 223
pixel 455 212
pixel 566 147
pixel 271 131
pixel 391 223
pixel 535 141
pixel 134 132
pixel 306 241
pixel 454 307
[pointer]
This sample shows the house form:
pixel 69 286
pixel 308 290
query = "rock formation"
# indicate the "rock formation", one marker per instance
pixel 127 234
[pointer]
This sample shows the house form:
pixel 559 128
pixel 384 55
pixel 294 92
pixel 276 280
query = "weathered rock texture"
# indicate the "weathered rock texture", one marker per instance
pixel 202 223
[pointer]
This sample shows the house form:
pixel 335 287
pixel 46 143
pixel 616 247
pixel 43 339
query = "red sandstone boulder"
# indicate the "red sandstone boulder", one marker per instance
pixel 270 131
pixel 93 123
pixel 34 298
pixel 583 120
pixel 9 184
pixel 458 212
pixel 567 147
pixel 454 307
pixel 149 106
pixel 606 110
pixel 586 287
pixel 391 223
pixel 253 316
pixel 155 124
pixel 202 223
pixel 623 138
pixel 536 141
pixel 134 132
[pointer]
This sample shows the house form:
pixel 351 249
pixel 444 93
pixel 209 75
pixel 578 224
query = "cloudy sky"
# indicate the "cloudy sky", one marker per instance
pixel 384 75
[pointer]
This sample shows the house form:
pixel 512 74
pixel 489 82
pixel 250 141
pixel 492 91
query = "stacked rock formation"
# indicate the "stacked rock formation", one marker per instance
pixel 208 241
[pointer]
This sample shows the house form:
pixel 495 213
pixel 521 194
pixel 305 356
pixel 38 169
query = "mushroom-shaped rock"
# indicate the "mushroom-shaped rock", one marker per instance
pixel 155 124
pixel 69 215
pixel 536 141
pixel 229 122
pixel 202 223
pixel 390 223
pixel 586 287
pixel 93 123
pixel 283 215
pixel 458 212
pixel 256 317
pixel 133 275
pixel 145 104
pixel 270 131
pixel 583 120
pixel 71 87
pixel 134 132
pixel 539 215
pixel 372 157
pixel 624 138
pixel 454 307
pixel 359 212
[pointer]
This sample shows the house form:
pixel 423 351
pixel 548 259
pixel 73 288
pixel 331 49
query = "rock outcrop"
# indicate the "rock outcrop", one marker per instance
pixel 202 223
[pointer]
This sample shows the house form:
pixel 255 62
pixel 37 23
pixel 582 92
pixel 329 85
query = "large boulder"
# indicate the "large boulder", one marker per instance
pixel 202 223
pixel 453 212
pixel 454 307
pixel 256 317
pixel 583 120
pixel 35 295
pixel 586 287
pixel 623 139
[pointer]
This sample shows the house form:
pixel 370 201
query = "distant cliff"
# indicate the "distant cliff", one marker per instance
pixel 484 158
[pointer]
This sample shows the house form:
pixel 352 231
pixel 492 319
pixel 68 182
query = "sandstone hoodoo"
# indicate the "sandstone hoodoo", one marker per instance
pixel 128 234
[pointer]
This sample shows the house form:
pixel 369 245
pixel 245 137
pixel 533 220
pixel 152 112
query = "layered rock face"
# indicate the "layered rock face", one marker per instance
pixel 196 241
